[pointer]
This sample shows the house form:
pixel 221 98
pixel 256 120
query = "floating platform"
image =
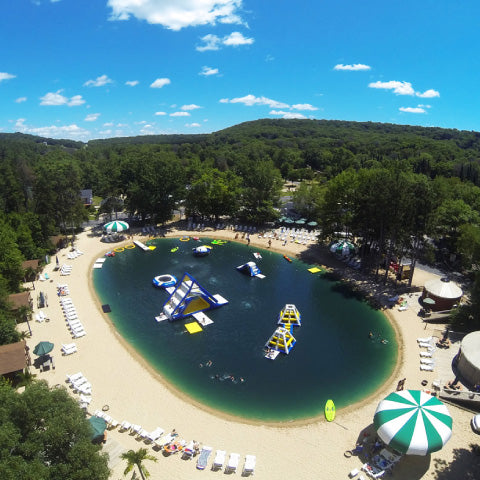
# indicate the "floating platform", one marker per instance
pixel 272 354
pixel 193 327
pixel 202 319
pixel 141 245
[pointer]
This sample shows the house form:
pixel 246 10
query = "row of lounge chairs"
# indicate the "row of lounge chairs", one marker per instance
pixel 71 317
pixel 66 269
pixel 427 362
pixel 74 254
pixel 79 384
pixel 231 465
pixel 169 443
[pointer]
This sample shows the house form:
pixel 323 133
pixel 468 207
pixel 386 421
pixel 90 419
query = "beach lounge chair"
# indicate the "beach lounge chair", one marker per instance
pixel 74 377
pixel 428 368
pixel 425 340
pixel 203 458
pixel 135 429
pixel 189 450
pixel 155 435
pixel 426 354
pixel 162 441
pixel 78 334
pixel 68 348
pixel 232 464
pixel 38 318
pixel 249 466
pixel 124 426
pixel 427 361
pixel 219 460
pixel 85 399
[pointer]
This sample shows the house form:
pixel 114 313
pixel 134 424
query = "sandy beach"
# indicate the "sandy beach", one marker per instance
pixel 124 384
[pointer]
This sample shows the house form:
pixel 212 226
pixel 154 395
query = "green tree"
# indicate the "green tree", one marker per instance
pixel 214 194
pixel 136 458
pixel 44 435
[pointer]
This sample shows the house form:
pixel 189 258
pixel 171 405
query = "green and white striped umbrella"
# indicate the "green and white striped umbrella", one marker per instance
pixel 116 226
pixel 413 422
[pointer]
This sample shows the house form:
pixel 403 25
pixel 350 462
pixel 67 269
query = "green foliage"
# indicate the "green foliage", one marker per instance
pixel 467 315
pixel 44 435
pixel 136 458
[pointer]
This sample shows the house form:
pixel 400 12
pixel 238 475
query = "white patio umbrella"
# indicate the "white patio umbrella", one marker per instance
pixel 413 422
pixel 116 226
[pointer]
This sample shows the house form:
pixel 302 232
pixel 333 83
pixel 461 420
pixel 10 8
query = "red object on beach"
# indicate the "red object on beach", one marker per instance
pixel 286 258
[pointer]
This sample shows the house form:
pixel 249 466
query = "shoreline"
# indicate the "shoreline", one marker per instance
pixel 132 390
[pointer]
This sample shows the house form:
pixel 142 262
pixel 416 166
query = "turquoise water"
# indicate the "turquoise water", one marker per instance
pixel 333 357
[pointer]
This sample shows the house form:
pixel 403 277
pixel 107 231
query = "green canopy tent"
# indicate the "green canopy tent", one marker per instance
pixel 98 426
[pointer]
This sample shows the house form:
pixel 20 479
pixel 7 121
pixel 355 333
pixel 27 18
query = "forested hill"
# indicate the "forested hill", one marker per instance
pixel 299 147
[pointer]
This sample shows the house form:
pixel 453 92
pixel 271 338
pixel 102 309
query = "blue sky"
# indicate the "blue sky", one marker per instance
pixel 85 69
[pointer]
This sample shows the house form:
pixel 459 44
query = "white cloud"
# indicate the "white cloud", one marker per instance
pixel 160 113
pixel 287 115
pixel 53 131
pixel 177 14
pixel 180 114
pixel 192 125
pixel 98 82
pixel 132 83
pixel 21 99
pixel 354 67
pixel 213 42
pixel 400 88
pixel 236 38
pixel 207 71
pixel 91 117
pixel 57 98
pixel 303 106
pixel 108 124
pixel 160 82
pixel 6 76
pixel 250 100
pixel 428 94
pixel 413 109
pixel 192 106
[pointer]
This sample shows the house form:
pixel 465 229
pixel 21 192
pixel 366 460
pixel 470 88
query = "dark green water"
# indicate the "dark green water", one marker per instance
pixel 333 358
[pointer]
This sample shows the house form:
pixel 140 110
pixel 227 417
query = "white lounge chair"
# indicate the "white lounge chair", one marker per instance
pixel 232 462
pixel 426 354
pixel 156 434
pixel 427 361
pixel 125 426
pixel 249 466
pixel 425 340
pixel 68 348
pixel 219 459
pixel 428 368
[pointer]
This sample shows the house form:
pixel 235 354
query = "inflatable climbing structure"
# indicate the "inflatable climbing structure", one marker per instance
pixel 289 317
pixel 189 298
pixel 282 340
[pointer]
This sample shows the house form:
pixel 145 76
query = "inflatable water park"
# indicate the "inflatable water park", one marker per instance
pixel 202 250
pixel 282 339
pixel 251 269
pixel 189 298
